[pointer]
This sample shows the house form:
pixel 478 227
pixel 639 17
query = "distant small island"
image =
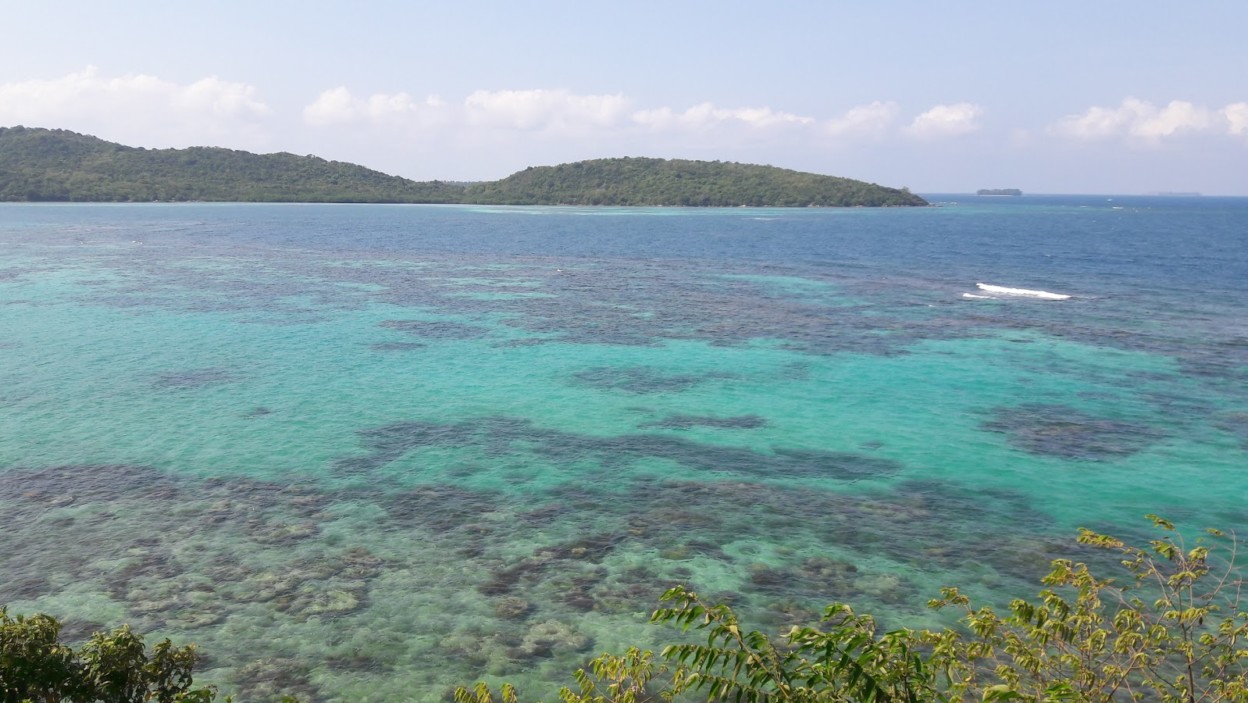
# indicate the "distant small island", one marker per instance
pixel 999 191
pixel 63 166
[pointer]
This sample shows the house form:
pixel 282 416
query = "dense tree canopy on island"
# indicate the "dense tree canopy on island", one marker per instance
pixel 63 166
pixel 57 165
pixel 638 181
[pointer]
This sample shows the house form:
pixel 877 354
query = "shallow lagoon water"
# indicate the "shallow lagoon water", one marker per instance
pixel 372 452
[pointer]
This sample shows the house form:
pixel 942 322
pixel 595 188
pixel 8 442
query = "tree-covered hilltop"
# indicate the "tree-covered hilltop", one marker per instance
pixel 58 165
pixel 642 181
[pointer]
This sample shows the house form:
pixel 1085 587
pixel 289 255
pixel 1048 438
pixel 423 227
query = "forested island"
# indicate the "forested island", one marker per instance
pixel 62 166
pixel 59 165
pixel 640 181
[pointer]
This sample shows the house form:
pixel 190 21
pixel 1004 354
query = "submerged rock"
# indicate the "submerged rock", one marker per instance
pixel 1069 433
pixel 512 608
pixel 194 378
pixel 551 638
pixel 272 678
pixel 635 379
pixel 437 329
pixel 1236 424
pixel 685 422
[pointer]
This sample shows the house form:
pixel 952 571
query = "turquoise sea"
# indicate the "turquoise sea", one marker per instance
pixel 363 452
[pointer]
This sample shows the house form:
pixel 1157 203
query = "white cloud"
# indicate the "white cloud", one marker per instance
pixel 524 110
pixel 1178 116
pixel 217 97
pixel 1236 116
pixel 946 121
pixel 138 107
pixel 707 115
pixel 872 118
pixel 555 110
pixel 338 106
pixel 1099 122
pixel 335 106
pixel 1143 121
pixel 560 112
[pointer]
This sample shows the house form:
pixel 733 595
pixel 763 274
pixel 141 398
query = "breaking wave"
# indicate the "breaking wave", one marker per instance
pixel 1021 292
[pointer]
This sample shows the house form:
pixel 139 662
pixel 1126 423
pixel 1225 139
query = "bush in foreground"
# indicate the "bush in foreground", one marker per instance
pixel 112 667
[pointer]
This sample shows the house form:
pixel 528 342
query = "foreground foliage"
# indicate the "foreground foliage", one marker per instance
pixel 112 667
pixel 1174 630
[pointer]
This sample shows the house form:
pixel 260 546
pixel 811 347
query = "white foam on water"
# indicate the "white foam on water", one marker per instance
pixel 1022 292
pixel 978 297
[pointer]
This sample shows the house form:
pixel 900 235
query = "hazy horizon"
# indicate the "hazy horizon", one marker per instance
pixel 1065 97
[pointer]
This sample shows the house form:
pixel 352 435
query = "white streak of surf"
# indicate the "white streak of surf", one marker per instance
pixel 1022 292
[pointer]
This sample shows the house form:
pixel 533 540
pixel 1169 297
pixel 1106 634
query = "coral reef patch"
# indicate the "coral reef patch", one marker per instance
pixel 1068 433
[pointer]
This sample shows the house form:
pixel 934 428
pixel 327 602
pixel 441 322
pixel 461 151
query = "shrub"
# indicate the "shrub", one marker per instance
pixel 111 667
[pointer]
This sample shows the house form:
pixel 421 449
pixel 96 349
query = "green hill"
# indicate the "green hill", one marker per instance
pixel 58 165
pixel 634 181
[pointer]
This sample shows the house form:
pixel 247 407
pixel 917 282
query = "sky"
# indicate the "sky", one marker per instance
pixel 1108 96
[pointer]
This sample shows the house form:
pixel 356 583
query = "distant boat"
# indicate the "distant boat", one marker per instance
pixel 999 191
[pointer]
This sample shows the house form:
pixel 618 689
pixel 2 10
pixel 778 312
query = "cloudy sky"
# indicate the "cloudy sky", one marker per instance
pixel 1111 96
